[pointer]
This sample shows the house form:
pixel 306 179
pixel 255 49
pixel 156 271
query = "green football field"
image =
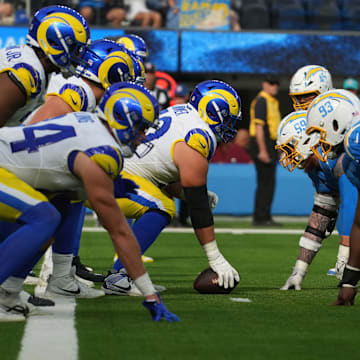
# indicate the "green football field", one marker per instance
pixel 274 325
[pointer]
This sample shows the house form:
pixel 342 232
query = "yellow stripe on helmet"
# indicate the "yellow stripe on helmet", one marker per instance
pixel 333 95
pixel 313 71
pixel 76 25
pixel 111 60
pixel 215 94
pixel 292 118
pixel 128 43
pixel 147 107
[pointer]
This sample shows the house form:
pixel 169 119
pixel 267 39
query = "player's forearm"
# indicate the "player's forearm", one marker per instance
pixel 354 258
pixel 205 235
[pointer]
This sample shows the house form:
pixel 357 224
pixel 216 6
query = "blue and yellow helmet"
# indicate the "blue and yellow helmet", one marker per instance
pixel 61 33
pixel 129 109
pixel 134 43
pixel 107 63
pixel 219 106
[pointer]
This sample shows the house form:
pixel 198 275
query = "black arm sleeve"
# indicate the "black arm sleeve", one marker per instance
pixel 198 201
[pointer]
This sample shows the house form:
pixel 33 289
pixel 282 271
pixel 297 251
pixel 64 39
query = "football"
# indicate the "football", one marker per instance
pixel 207 283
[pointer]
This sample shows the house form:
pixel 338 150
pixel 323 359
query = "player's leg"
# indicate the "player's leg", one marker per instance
pixel 37 219
pixel 62 281
pixel 153 211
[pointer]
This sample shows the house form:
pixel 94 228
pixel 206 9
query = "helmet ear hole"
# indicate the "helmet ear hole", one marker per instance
pixel 335 125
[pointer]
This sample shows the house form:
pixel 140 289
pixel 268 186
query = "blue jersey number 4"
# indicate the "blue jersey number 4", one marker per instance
pixel 31 143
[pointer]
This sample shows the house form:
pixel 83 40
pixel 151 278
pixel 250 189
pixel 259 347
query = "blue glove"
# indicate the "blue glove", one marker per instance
pixel 159 311
pixel 123 188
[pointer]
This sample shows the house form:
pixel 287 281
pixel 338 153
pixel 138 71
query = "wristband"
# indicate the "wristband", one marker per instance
pixel 350 277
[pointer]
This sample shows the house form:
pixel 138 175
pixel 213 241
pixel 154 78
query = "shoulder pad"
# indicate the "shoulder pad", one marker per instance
pixel 201 141
pixel 27 77
pixel 109 158
pixel 74 95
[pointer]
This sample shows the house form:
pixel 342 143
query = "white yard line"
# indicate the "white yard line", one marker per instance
pixel 52 336
pixel 222 230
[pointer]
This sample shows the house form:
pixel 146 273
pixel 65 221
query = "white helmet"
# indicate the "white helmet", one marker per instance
pixel 328 118
pixel 292 141
pixel 310 79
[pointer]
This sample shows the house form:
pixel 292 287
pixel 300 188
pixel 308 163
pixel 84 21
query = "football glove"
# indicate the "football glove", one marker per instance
pixel 213 199
pixel 123 188
pixel 159 311
pixel 227 274
pixel 295 280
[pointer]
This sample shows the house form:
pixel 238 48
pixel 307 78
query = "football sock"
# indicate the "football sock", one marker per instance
pixel 66 234
pixel 79 231
pixel 21 247
pixel 146 229
pixel 61 264
pixel 13 284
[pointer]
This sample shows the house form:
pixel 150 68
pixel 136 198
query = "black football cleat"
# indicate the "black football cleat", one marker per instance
pixel 39 301
pixel 85 273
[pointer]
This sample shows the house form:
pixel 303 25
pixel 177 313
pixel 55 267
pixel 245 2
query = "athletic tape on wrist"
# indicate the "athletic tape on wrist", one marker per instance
pixel 144 284
pixel 211 250
pixel 321 200
pixel 309 244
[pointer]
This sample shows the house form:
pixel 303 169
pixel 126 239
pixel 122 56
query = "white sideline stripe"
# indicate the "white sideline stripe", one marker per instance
pixel 51 336
pixel 220 231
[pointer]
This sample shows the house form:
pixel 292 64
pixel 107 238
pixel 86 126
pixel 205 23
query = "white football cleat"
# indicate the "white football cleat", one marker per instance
pixel 120 283
pixel 12 308
pixel 68 286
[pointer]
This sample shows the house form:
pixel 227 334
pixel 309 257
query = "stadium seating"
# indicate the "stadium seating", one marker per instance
pixel 255 15
pixel 288 14
pixel 324 15
pixel 351 14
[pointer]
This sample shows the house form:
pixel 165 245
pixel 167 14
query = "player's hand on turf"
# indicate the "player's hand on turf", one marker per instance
pixel 123 188
pixel 213 199
pixel 227 274
pixel 159 311
pixel 346 296
pixel 294 281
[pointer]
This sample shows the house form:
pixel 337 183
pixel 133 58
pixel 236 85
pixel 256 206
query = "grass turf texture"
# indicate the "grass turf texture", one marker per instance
pixel 276 325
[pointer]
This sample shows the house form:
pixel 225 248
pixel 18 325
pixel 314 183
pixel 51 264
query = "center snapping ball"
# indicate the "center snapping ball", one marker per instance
pixel 207 283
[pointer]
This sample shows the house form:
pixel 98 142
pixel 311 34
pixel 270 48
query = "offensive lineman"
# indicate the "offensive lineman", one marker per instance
pixel 91 159
pixel 175 158
pixel 56 40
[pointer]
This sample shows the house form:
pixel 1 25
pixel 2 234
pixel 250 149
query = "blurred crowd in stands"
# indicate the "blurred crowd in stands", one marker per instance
pixel 244 14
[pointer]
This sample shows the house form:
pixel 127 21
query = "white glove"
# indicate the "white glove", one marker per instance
pixel 227 274
pixel 297 276
pixel 213 199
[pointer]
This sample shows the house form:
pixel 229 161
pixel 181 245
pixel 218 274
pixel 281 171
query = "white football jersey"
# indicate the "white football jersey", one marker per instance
pixel 177 123
pixel 26 70
pixel 42 154
pixel 73 90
